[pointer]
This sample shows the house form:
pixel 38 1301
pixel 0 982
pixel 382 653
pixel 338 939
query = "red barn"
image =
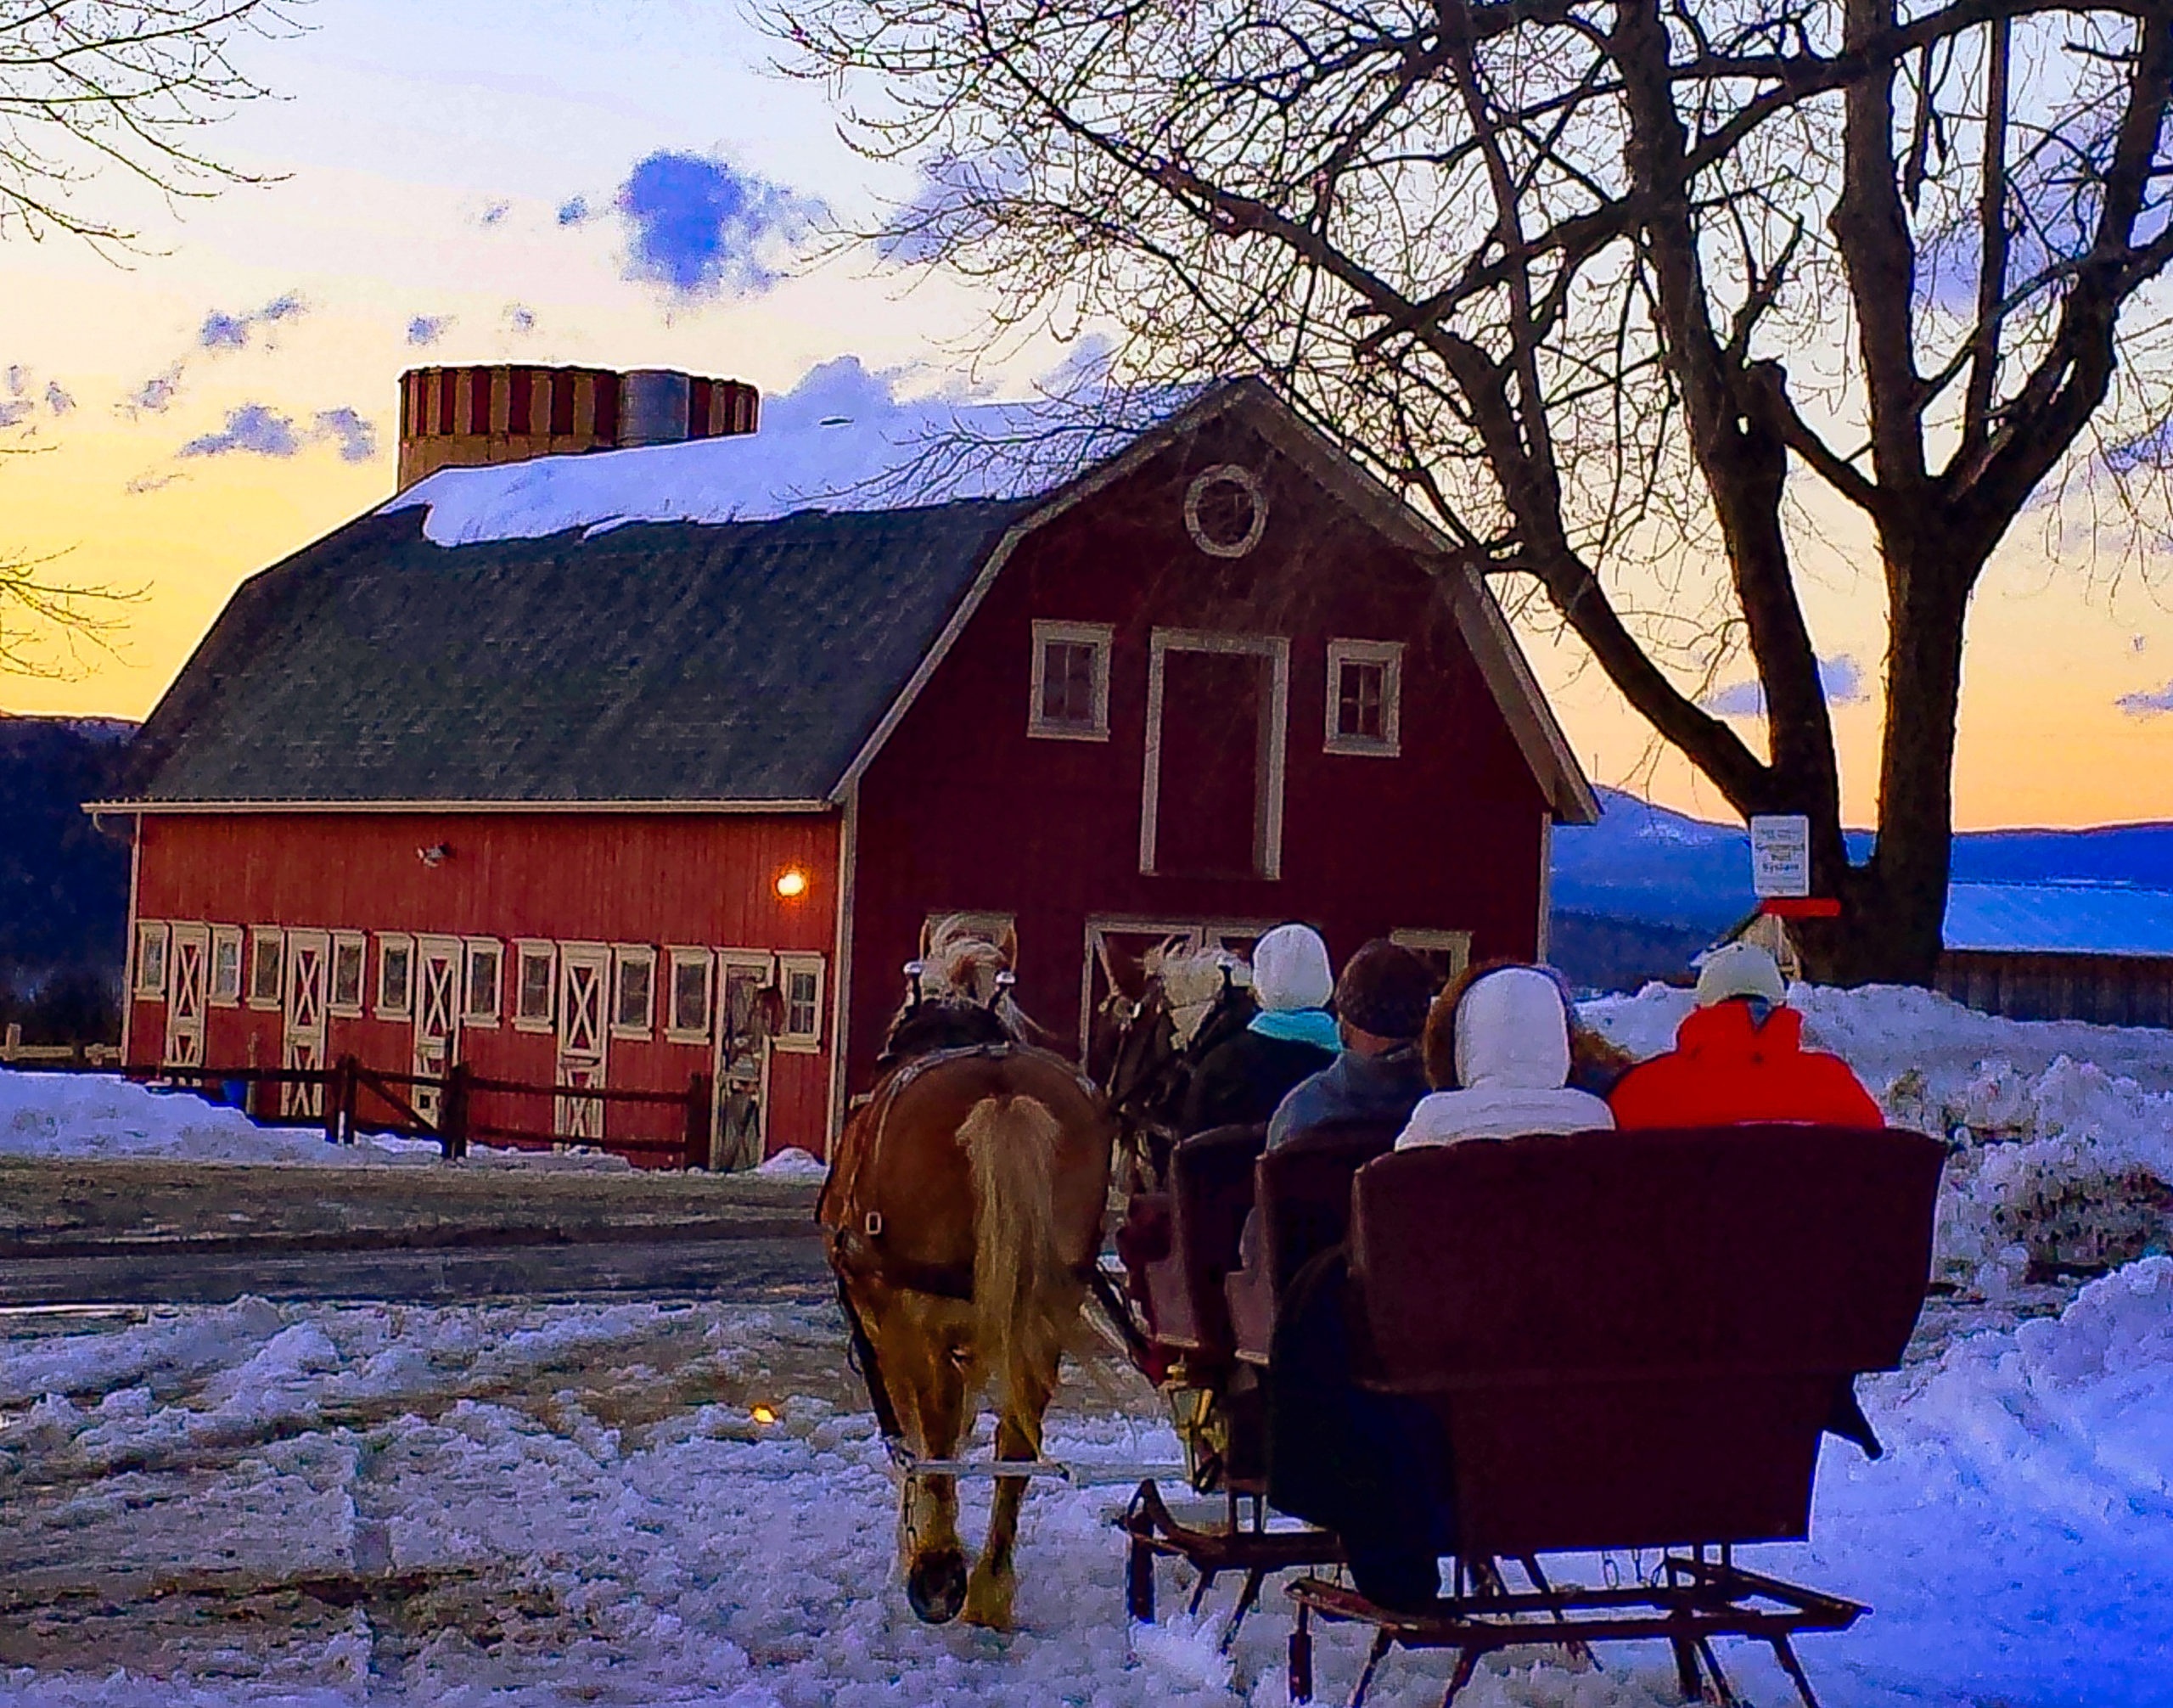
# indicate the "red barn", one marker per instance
pixel 562 806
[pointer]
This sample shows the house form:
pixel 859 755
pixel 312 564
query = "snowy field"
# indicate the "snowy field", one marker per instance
pixel 534 1503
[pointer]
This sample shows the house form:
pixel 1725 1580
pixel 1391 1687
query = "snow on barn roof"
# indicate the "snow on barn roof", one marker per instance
pixel 838 441
pixel 2072 918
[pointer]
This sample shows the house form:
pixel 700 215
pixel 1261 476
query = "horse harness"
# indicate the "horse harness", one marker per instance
pixel 853 1252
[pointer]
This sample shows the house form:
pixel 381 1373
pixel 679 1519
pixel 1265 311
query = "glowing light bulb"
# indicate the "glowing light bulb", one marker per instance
pixel 792 883
pixel 762 1414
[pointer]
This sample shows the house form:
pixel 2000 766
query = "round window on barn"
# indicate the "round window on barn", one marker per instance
pixel 1226 510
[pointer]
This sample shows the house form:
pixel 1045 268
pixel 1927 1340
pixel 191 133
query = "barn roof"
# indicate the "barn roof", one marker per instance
pixel 2058 919
pixel 673 627
pixel 665 662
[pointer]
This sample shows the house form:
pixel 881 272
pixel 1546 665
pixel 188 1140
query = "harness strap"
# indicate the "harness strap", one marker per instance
pixel 861 1353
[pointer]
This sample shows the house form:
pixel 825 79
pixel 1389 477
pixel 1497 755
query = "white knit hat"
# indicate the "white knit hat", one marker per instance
pixel 1740 969
pixel 1291 969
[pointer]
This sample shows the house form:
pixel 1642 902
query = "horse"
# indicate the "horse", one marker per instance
pixel 1166 1009
pixel 963 1210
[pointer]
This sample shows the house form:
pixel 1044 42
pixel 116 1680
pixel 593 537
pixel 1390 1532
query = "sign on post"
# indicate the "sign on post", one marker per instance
pixel 1780 855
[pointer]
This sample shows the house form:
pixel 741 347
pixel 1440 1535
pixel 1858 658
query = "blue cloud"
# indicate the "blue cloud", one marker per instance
pixel 357 438
pixel 253 428
pixel 224 331
pixel 701 228
pixel 427 328
pixel 494 214
pixel 57 399
pixel 575 210
pixel 2154 702
pixel 1841 676
pixel 11 413
pixel 156 395
pixel 257 429
pixel 520 317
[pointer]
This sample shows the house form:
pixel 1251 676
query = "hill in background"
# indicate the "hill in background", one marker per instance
pixel 64 884
pixel 1638 893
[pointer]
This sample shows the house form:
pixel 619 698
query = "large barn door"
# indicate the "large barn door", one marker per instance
pixel 584 1036
pixel 302 1038
pixel 746 1009
pixel 185 981
pixel 437 1017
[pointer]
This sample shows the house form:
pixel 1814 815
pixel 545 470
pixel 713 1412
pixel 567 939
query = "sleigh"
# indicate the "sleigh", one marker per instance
pixel 1630 1341
pixel 1627 1342
pixel 1210 1323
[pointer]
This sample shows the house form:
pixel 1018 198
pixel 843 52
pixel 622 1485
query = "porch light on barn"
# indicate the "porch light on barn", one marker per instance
pixel 762 1414
pixel 792 883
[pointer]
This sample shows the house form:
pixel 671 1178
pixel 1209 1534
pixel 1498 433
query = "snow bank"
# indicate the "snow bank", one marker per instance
pixel 792 1163
pixel 2063 1133
pixel 95 1116
pixel 586 1504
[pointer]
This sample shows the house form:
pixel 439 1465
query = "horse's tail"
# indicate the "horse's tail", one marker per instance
pixel 1012 1144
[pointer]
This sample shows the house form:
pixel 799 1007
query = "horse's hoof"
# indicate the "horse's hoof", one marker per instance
pixel 937 1586
pixel 988 1601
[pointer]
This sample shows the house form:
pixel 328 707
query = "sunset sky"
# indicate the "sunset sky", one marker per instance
pixel 629 185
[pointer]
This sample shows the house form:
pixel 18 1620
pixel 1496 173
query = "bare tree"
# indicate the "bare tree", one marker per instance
pixel 86 86
pixel 90 85
pixel 1631 295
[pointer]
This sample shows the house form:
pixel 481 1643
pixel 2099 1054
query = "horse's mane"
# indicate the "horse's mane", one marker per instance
pixel 961 969
pixel 1192 983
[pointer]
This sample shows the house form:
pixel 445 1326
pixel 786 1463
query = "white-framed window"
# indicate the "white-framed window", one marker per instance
pixel 224 983
pixel 1365 697
pixel 1070 689
pixel 634 990
pixel 151 959
pixel 481 981
pixel 267 965
pixel 1446 953
pixel 395 976
pixel 687 997
pixel 800 984
pixel 344 994
pixel 536 978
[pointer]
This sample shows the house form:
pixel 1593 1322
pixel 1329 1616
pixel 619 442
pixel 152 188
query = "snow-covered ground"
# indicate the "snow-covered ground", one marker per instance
pixel 83 1115
pixel 530 1505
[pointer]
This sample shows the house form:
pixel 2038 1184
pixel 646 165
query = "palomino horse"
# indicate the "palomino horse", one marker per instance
pixel 964 1210
pixel 1165 1010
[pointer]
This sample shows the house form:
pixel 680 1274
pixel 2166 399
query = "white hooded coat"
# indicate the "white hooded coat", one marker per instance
pixel 1512 1058
pixel 1291 970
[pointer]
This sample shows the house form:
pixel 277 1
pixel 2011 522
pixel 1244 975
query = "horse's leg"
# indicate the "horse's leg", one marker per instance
pixel 1018 1436
pixel 926 1336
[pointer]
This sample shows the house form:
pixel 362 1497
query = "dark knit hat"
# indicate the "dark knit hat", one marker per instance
pixel 1384 990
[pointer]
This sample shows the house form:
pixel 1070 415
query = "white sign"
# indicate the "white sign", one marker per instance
pixel 1780 854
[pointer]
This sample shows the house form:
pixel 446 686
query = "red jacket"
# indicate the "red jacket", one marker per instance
pixel 1723 1070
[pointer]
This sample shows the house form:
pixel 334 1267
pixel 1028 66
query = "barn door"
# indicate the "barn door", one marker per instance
pixel 185 988
pixel 584 1034
pixel 309 955
pixel 1211 796
pixel 437 1017
pixel 746 1008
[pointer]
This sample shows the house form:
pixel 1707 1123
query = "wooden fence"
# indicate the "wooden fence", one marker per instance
pixel 14 1053
pixel 351 1099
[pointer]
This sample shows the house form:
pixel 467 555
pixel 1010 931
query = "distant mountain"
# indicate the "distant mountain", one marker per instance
pixel 64 885
pixel 1644 863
